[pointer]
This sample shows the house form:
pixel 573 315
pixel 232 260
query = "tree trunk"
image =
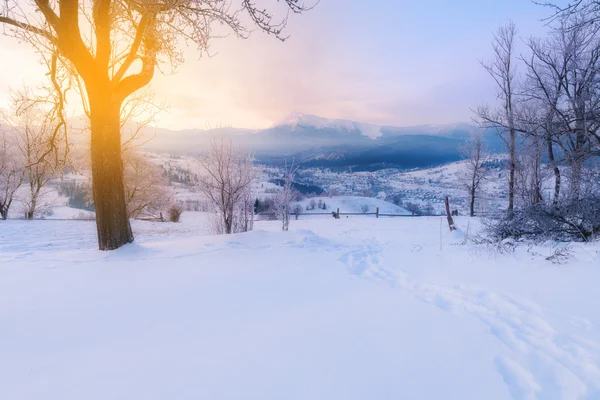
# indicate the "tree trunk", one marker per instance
pixel 472 205
pixel 4 209
pixel 556 173
pixel 112 222
pixel 32 206
pixel 537 194
pixel 513 166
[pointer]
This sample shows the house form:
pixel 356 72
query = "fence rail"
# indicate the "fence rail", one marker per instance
pixel 297 214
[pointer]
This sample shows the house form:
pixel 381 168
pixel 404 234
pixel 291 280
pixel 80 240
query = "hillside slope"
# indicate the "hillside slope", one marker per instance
pixel 349 204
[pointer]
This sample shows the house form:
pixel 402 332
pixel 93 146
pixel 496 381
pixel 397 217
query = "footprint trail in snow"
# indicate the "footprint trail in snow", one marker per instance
pixel 542 362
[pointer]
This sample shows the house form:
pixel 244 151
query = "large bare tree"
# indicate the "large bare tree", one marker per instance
pixel 502 69
pixel 545 75
pixel 562 83
pixel 121 45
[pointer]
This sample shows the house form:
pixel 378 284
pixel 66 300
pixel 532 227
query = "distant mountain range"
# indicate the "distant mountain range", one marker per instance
pixel 314 141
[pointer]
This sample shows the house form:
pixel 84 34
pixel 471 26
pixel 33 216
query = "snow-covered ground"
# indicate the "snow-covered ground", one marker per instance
pixel 348 204
pixel 357 308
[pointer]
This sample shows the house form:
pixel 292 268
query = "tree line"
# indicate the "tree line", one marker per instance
pixel 548 115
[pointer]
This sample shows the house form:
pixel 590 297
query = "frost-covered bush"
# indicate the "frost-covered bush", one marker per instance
pixel 578 221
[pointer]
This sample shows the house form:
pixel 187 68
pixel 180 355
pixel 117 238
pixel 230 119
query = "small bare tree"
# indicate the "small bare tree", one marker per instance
pixel 475 153
pixel 225 178
pixel 145 186
pixel 285 196
pixel 34 128
pixel 530 173
pixel 11 174
pixel 245 214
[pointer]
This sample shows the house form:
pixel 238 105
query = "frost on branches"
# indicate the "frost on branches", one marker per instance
pixel 225 177
pixel 284 197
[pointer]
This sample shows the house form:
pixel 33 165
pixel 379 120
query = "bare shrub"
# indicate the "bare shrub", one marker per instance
pixel 174 213
pixel 561 255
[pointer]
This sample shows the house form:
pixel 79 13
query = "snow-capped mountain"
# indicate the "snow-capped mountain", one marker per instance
pixel 334 143
pixel 296 119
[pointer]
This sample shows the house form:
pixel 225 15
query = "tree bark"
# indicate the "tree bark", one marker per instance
pixel 112 222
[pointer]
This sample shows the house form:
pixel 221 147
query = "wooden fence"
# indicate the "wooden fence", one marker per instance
pixel 266 215
pixel 335 214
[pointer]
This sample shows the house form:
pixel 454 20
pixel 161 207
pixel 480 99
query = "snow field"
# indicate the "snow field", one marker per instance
pixel 357 308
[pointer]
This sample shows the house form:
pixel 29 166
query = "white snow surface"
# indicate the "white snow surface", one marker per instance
pixel 295 118
pixel 351 204
pixel 357 308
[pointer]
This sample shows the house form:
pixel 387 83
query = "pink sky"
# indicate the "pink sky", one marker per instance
pixel 382 62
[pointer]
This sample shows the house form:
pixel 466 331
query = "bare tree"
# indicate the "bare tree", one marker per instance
pixel 545 75
pixel 127 41
pixel 590 9
pixel 502 69
pixel 11 174
pixel 530 174
pixel 145 186
pixel 285 196
pixel 225 178
pixel 580 43
pixel 475 153
pixel 33 128
pixel 245 213
pixel 562 80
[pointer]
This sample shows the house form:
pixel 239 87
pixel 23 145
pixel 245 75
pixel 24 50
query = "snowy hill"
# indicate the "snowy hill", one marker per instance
pixel 349 204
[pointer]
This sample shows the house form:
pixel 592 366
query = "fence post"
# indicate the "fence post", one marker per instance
pixel 377 212
pixel 449 215
pixel 297 211
pixel 338 213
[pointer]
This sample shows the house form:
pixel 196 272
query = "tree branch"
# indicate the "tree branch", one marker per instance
pixel 29 28
pixel 135 46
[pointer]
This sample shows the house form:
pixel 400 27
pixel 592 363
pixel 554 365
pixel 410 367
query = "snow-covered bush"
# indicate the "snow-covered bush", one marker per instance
pixel 578 221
